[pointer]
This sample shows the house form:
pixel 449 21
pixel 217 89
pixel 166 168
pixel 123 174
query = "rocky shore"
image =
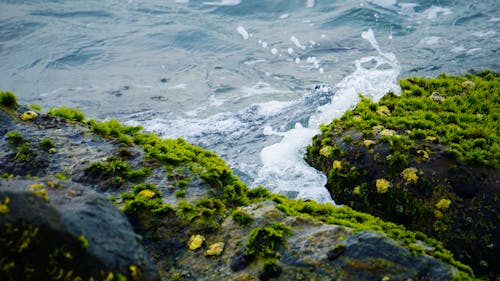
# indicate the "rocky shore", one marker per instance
pixel 89 200
pixel 427 159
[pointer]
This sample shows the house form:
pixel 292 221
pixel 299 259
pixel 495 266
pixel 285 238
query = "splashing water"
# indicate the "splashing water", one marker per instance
pixel 283 168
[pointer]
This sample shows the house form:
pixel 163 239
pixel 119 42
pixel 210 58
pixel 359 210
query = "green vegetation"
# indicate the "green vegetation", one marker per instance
pixel 359 221
pixel 47 144
pixel 8 99
pixel 436 142
pixel 36 106
pixel 241 218
pixel 265 241
pixel 67 113
pixel 14 138
pixel 144 200
pixel 24 153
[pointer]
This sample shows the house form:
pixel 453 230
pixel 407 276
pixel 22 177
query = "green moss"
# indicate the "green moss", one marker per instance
pixel 180 194
pixel 204 215
pixel 8 99
pixel 145 200
pixel 36 107
pixel 359 221
pixel 47 144
pixel 265 241
pixel 84 241
pixel 241 218
pixel 67 113
pixel 258 193
pixel 14 138
pixel 24 153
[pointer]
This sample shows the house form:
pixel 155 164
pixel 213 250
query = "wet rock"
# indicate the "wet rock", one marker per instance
pixel 73 230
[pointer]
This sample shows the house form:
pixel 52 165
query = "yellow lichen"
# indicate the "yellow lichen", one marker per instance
pixel 385 278
pixel 438 214
pixel 52 184
pixel 36 186
pixel 378 128
pixel 195 242
pixel 410 175
pixel 4 207
pixel 468 84
pixel 29 115
pixel 134 272
pixel 423 155
pixel 382 186
pixel 68 255
pixel 383 111
pixel 147 193
pixel 110 277
pixel 215 249
pixel 326 151
pixel 388 133
pixel 357 118
pixel 443 204
pixel 337 165
pixel 368 143
pixel 431 139
pixel 357 190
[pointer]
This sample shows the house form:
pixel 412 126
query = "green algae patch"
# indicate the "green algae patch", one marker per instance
pixel 8 99
pixel 427 159
pixel 68 113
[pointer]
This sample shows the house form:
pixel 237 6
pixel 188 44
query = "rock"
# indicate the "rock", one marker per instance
pixel 383 111
pixel 72 230
pixel 425 170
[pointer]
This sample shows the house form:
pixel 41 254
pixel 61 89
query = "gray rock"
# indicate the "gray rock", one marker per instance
pixel 76 230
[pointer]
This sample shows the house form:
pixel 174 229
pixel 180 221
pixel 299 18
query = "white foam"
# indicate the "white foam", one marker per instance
pixel 242 31
pixel 284 16
pixel 431 40
pixel 182 1
pixel 290 51
pixel 223 3
pixel 283 167
pixel 385 3
pixel 274 51
pixel 297 42
pixel 310 3
pixel 435 11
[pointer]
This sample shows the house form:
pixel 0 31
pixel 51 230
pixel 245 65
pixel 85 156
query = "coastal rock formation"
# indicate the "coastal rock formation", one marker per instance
pixel 82 199
pixel 427 159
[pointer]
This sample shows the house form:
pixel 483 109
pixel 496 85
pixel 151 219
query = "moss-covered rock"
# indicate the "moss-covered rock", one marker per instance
pixel 249 234
pixel 427 159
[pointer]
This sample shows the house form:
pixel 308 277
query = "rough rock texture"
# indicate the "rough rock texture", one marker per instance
pixel 56 222
pixel 63 229
pixel 428 160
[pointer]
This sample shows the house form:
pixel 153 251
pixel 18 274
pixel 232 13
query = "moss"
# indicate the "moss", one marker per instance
pixel 4 206
pixel 180 194
pixel 241 218
pixel 258 193
pixel 36 107
pixel 47 144
pixel 359 221
pixel 67 113
pixel 14 138
pixel 270 269
pixel 24 153
pixel 84 241
pixel 8 99
pixel 265 241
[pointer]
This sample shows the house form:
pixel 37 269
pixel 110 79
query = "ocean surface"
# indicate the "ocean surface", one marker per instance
pixel 249 79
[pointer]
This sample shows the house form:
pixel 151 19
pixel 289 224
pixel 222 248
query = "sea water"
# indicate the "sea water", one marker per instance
pixel 249 79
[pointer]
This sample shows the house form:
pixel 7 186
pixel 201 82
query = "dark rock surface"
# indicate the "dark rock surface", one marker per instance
pixel 63 228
